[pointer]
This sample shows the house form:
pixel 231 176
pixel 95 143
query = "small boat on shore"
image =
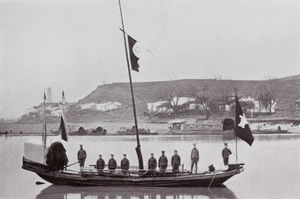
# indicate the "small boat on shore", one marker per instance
pixel 132 131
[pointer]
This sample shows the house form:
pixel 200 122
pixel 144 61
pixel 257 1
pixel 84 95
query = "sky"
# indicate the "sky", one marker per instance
pixel 76 46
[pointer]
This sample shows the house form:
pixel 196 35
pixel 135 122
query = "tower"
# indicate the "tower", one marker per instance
pixel 49 94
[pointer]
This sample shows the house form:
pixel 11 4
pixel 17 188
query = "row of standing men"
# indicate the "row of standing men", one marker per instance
pixel 152 163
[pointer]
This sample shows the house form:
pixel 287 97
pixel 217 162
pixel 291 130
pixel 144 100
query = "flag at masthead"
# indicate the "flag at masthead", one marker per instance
pixel 133 59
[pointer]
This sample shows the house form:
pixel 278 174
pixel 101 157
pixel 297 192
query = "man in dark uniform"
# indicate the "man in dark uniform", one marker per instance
pixel 194 158
pixel 175 161
pixel 225 154
pixel 81 156
pixel 100 164
pixel 152 164
pixel 124 164
pixel 112 164
pixel 163 163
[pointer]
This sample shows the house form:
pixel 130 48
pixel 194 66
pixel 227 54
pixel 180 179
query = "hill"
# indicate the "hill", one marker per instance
pixel 287 92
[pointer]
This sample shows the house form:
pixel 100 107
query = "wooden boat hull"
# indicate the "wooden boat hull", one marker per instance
pixel 200 132
pixel 270 131
pixel 184 179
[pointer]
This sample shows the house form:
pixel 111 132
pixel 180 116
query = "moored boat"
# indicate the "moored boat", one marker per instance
pixel 56 172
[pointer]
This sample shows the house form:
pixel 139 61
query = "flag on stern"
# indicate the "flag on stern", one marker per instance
pixel 62 128
pixel 242 126
pixel 133 59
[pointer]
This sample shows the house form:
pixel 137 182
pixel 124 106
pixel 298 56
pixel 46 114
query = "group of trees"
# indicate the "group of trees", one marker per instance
pixel 215 94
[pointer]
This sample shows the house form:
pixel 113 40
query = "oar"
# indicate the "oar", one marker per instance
pixel 72 164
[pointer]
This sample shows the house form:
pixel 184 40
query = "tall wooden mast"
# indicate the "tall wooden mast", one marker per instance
pixel 138 148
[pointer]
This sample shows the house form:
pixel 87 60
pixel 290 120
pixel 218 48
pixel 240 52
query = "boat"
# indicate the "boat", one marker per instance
pixel 270 131
pixel 94 131
pixel 197 126
pixel 132 131
pixel 35 159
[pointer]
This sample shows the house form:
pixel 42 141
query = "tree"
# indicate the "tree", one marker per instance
pixel 268 93
pixel 172 93
pixel 200 91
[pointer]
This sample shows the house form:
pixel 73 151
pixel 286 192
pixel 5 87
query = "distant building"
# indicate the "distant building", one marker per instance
pixel 49 94
pixel 160 106
pixel 258 107
pixel 101 107
pixel 164 106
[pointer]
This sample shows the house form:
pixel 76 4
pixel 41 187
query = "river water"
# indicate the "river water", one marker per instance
pixel 272 167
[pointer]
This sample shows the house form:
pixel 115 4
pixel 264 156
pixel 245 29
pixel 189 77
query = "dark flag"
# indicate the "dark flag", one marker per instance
pixel 63 129
pixel 45 97
pixel 242 126
pixel 134 59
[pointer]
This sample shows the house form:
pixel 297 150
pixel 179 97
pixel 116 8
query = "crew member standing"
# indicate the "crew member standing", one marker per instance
pixel 112 164
pixel 163 163
pixel 81 156
pixel 225 154
pixel 152 164
pixel 194 158
pixel 175 161
pixel 100 164
pixel 124 164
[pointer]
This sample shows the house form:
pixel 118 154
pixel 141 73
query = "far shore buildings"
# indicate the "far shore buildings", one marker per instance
pixel 191 104
pixel 101 106
pixel 52 108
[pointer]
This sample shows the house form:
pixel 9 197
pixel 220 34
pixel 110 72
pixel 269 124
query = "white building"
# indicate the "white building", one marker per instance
pixel 258 107
pixel 156 106
pixel 101 107
pixel 182 100
pixel 56 112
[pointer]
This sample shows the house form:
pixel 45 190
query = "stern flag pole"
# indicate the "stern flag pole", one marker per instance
pixel 138 148
pixel 235 128
pixel 44 138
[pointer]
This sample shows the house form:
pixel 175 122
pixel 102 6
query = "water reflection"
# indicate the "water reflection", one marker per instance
pixel 68 192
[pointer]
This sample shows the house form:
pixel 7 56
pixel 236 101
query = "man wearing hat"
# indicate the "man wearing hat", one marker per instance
pixel 225 154
pixel 175 161
pixel 112 164
pixel 81 156
pixel 163 163
pixel 152 164
pixel 100 164
pixel 124 164
pixel 194 158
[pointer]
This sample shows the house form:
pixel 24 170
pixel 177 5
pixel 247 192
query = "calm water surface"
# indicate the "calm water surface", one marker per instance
pixel 272 167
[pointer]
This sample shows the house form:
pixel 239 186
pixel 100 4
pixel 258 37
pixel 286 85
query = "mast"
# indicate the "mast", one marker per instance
pixel 235 127
pixel 138 148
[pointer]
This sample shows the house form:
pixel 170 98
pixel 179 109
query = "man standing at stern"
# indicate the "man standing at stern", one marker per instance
pixel 194 158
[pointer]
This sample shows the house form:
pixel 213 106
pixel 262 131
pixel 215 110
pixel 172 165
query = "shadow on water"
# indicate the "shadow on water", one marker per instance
pixel 133 192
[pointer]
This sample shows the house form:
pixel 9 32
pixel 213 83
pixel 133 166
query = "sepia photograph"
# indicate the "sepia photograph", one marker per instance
pixel 150 99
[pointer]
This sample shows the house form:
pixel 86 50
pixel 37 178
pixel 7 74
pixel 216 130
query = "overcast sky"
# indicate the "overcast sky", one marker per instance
pixel 77 45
